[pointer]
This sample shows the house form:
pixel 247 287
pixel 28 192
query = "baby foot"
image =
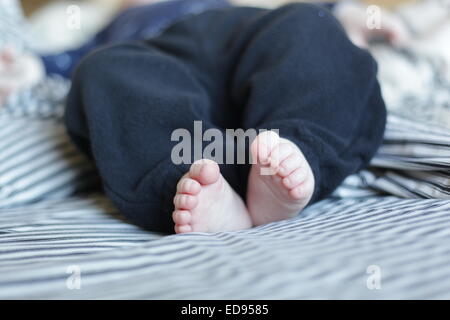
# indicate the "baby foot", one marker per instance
pixel 205 202
pixel 17 71
pixel 281 182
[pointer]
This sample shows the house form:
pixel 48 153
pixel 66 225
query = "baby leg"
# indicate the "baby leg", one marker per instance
pixel 125 103
pixel 301 75
pixel 123 106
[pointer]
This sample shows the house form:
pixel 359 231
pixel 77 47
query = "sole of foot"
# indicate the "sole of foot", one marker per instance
pixel 281 182
pixel 205 202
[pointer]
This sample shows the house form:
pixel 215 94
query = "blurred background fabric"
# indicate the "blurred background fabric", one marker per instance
pixel 50 219
pixel 413 162
pixel 47 16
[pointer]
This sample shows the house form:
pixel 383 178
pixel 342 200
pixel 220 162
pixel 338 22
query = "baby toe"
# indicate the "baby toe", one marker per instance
pixel 279 154
pixel 205 171
pixel 188 186
pixel 299 192
pixel 303 191
pixel 290 164
pixel 181 217
pixel 183 228
pixel 295 178
pixel 185 201
pixel 263 145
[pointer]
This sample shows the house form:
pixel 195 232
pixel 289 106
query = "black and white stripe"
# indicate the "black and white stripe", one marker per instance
pixel 38 161
pixel 323 253
pixel 413 162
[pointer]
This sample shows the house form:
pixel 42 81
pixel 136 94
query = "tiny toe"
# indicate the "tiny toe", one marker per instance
pixel 181 217
pixel 303 191
pixel 183 228
pixel 295 178
pixel 205 171
pixel 185 201
pixel 290 164
pixel 298 193
pixel 279 154
pixel 189 186
pixel 263 145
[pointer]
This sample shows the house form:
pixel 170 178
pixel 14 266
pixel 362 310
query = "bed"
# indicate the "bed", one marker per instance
pixel 384 234
pixel 79 248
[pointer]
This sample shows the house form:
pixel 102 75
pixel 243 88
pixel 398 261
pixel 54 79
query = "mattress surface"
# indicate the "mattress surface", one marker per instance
pixel 366 248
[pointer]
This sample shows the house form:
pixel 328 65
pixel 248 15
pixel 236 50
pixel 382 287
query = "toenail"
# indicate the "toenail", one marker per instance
pixel 197 169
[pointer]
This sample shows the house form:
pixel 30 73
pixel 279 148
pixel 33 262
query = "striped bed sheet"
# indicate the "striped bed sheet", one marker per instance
pixel 79 248
pixel 39 162
pixel 52 229
pixel 413 162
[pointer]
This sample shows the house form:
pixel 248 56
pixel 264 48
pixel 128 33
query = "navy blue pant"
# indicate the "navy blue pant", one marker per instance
pixel 291 69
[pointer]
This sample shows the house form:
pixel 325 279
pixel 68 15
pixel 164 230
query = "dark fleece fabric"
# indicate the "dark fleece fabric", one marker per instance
pixel 291 69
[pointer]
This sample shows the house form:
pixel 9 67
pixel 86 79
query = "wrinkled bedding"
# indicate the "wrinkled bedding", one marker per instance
pixel 59 240
pixel 330 251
